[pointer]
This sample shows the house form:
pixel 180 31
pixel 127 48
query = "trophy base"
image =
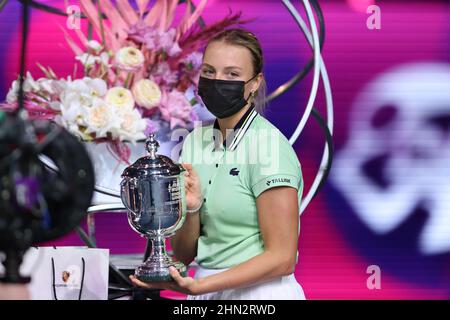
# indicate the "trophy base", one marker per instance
pixel 159 273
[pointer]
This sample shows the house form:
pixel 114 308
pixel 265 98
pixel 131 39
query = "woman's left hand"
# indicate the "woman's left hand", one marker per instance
pixel 186 285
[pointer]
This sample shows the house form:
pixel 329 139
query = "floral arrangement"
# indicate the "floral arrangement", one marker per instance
pixel 136 74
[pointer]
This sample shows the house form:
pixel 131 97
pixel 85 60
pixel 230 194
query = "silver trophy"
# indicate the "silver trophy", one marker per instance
pixel 152 189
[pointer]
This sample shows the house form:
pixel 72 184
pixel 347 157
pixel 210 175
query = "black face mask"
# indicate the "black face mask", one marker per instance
pixel 223 98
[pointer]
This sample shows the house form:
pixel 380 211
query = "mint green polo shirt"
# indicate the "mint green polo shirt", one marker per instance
pixel 255 157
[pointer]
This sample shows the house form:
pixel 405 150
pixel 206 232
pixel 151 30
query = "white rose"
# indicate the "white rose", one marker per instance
pixel 132 127
pixel 101 119
pixel 98 116
pixel 129 59
pixel 121 98
pixel 147 93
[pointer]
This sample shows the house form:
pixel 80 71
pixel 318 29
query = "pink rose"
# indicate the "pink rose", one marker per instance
pixel 176 109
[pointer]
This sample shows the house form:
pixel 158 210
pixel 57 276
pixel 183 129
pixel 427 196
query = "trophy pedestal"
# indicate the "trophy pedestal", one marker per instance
pixel 156 268
pixel 158 273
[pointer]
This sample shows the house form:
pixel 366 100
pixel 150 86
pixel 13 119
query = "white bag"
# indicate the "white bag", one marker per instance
pixel 66 273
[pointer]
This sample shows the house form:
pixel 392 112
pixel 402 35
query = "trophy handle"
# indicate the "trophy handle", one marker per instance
pixel 182 169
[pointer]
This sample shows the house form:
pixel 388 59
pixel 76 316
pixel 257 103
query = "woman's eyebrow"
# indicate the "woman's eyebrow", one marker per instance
pixel 226 68
pixel 233 67
pixel 208 66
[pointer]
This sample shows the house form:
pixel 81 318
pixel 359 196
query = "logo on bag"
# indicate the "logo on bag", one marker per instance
pixel 65 276
pixel 71 277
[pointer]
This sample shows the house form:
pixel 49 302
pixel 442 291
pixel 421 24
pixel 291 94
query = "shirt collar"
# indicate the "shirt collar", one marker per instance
pixel 238 132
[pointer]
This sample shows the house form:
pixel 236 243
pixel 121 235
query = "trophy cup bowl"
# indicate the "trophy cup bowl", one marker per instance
pixel 152 190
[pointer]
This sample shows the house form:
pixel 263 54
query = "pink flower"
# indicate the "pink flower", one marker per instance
pixel 166 41
pixel 152 127
pixel 193 61
pixel 176 109
pixel 164 75
pixel 192 64
pixel 138 32
pixel 155 39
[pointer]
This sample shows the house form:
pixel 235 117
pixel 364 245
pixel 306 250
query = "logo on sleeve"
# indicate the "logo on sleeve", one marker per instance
pixel 277 180
pixel 234 172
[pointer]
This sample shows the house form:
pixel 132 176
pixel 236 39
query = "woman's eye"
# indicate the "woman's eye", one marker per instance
pixel 232 75
pixel 207 72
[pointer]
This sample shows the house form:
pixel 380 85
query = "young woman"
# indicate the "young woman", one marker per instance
pixel 243 186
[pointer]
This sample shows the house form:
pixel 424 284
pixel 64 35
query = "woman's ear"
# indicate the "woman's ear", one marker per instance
pixel 257 83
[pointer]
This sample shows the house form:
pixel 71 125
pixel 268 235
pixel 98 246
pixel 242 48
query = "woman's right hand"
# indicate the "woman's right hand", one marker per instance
pixel 192 185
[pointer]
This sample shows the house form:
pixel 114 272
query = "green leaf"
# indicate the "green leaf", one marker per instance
pixel 193 101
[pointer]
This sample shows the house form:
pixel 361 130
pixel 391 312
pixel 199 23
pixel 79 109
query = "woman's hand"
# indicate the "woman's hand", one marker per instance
pixel 14 292
pixel 193 189
pixel 186 285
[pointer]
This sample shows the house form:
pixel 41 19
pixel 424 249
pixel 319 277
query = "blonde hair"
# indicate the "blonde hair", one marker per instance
pixel 245 38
